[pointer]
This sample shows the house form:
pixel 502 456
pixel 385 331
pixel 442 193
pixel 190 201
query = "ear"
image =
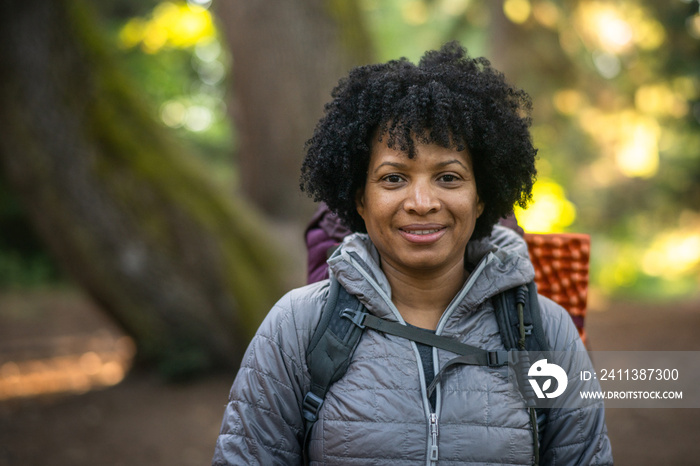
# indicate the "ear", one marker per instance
pixel 479 208
pixel 360 202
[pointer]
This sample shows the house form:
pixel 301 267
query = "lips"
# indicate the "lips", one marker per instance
pixel 422 234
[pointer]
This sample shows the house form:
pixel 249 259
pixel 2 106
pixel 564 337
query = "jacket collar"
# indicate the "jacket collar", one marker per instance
pixel 500 262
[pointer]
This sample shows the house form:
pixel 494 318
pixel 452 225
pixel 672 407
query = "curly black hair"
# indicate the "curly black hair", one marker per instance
pixel 449 99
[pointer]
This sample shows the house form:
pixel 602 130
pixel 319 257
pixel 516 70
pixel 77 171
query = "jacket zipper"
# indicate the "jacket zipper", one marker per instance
pixel 433 438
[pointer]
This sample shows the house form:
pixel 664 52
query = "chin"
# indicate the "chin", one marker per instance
pixel 424 264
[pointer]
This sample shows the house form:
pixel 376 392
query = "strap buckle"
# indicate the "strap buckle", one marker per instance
pixel 357 317
pixel 311 406
pixel 497 358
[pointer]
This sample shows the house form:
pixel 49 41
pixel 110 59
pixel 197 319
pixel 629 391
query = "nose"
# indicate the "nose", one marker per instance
pixel 422 198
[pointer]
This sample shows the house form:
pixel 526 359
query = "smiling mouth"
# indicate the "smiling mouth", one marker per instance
pixel 423 232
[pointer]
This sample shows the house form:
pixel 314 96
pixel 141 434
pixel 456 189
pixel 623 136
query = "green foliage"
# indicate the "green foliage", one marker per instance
pixel 401 28
pixel 22 272
pixel 183 82
pixel 24 262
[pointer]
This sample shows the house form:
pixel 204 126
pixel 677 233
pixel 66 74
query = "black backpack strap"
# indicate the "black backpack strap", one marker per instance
pixel 538 342
pixel 507 307
pixel 520 324
pixel 329 352
pixel 470 354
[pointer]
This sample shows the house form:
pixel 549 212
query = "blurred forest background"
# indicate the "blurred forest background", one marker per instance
pixel 150 151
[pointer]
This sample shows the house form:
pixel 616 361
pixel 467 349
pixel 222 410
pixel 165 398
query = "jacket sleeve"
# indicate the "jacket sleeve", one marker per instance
pixel 577 435
pixel 262 423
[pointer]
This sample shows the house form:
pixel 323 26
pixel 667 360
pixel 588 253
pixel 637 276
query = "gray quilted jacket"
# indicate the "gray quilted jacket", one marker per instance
pixel 378 413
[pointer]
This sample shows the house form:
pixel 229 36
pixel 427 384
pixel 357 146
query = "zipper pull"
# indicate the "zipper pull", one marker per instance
pixel 433 436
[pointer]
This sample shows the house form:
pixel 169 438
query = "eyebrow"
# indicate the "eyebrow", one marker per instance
pixel 390 164
pixel 403 165
pixel 449 162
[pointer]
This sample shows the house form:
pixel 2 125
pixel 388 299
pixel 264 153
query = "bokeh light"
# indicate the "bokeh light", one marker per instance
pixel 546 13
pixel 171 25
pixel 616 28
pixel 569 101
pixel 637 154
pixel 185 26
pixel 518 11
pixel 673 254
pixel 660 99
pixel 454 7
pixel 103 366
pixel 415 12
pixel 550 210
pixel 627 137
pixel 693 26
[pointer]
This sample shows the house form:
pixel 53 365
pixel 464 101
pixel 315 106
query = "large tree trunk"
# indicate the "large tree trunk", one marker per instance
pixel 529 57
pixel 287 56
pixel 185 270
pixel 508 44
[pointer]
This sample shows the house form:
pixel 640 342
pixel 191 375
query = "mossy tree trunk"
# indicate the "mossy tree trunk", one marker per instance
pixel 186 270
pixel 287 57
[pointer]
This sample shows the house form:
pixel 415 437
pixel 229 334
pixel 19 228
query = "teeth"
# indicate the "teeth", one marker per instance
pixel 424 232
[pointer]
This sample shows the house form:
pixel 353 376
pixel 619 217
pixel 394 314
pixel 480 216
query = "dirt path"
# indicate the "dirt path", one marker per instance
pixel 144 422
pixel 650 436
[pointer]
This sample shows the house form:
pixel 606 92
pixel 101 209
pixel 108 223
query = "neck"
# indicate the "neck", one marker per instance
pixel 422 297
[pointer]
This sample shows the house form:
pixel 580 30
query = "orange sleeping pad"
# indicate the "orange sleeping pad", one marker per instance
pixel 561 271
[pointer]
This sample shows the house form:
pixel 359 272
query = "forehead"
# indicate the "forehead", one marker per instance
pixel 424 154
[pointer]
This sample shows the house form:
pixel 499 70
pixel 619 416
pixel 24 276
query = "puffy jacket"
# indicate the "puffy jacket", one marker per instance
pixel 378 412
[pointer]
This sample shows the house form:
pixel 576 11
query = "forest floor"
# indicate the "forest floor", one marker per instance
pixel 143 421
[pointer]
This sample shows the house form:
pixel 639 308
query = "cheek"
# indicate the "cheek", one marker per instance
pixel 477 207
pixel 372 215
pixel 470 210
pixel 372 205
pixel 378 216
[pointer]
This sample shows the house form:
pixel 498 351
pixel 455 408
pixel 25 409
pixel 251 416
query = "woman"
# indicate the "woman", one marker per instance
pixel 421 162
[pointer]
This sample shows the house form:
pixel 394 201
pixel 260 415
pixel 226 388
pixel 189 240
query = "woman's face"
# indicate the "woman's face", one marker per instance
pixel 420 212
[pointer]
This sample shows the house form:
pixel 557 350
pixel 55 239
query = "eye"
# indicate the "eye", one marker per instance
pixel 392 179
pixel 448 178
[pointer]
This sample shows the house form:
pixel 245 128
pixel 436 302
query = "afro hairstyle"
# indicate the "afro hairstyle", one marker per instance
pixel 449 99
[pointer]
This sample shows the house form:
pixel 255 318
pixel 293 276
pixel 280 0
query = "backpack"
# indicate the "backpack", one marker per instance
pixel 344 319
